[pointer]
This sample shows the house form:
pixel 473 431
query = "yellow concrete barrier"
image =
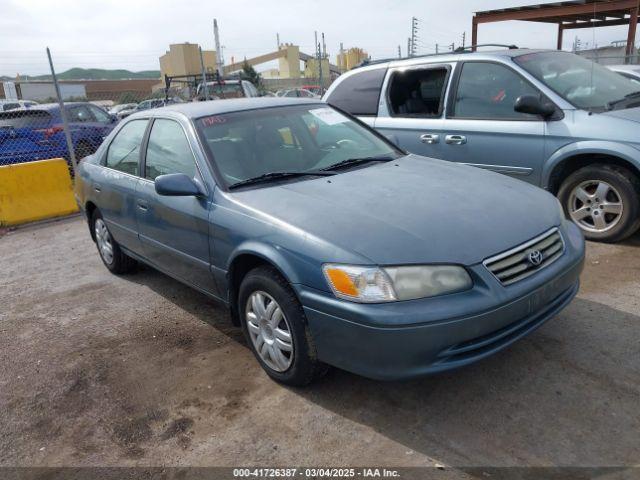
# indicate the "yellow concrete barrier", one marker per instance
pixel 34 191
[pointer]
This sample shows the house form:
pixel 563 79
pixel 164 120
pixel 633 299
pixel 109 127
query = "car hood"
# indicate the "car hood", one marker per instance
pixel 412 210
pixel 632 114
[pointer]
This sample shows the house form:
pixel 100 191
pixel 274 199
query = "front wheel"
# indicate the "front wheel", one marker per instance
pixel 603 201
pixel 274 324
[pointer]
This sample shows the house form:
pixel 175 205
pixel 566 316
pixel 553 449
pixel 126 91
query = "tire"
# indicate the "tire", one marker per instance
pixel 608 219
pixel 117 262
pixel 297 367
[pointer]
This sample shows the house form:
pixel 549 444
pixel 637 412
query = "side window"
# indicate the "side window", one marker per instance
pixel 100 115
pixel 359 93
pixel 418 93
pixel 168 151
pixel 80 113
pixel 124 151
pixel 489 91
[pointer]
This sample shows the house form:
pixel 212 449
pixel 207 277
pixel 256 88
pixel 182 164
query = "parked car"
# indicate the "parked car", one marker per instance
pixel 299 93
pixel 329 244
pixel 226 89
pixel 551 118
pixel 315 89
pixel 37 133
pixel 632 72
pixel 148 104
pixel 123 107
pixel 6 105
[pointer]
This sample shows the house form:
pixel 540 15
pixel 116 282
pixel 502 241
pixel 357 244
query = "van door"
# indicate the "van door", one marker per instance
pixel 482 128
pixel 412 106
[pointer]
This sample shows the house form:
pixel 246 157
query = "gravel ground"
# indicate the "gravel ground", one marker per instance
pixel 97 369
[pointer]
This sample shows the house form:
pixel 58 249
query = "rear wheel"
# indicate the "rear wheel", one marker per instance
pixel 274 324
pixel 603 201
pixel 110 252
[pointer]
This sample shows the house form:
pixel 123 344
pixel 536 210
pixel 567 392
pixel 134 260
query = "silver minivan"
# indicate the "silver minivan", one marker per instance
pixel 550 118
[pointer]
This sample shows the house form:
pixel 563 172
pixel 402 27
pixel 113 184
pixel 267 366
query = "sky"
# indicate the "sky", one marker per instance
pixel 133 34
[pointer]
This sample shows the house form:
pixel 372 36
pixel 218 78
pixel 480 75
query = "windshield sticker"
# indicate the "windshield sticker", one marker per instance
pixel 213 120
pixel 328 116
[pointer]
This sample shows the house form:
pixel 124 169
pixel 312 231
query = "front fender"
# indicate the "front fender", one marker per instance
pixel 591 147
pixel 269 253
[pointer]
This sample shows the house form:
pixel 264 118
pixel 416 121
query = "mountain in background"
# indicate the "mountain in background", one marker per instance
pixel 92 74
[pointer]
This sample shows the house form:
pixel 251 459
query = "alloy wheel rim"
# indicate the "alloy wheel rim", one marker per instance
pixel 269 331
pixel 103 239
pixel 596 206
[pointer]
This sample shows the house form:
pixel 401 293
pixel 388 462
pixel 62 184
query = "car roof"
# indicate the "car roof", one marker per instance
pixel 453 57
pixel 216 107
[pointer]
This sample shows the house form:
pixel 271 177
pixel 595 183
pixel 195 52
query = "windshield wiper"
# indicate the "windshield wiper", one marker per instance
pixel 349 162
pixel 626 98
pixel 278 175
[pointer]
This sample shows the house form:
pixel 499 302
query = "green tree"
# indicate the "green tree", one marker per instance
pixel 249 73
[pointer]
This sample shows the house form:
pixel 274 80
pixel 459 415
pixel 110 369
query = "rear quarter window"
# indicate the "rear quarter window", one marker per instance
pixel 359 93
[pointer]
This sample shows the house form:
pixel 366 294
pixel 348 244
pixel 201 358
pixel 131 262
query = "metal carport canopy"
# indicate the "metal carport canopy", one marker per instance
pixel 568 15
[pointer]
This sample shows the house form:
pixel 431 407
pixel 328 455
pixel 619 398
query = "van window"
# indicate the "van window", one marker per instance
pixel 418 93
pixel 359 93
pixel 489 91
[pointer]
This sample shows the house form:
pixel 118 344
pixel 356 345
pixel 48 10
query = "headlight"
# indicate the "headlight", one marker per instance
pixel 373 284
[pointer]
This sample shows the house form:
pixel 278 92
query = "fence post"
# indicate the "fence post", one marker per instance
pixel 63 114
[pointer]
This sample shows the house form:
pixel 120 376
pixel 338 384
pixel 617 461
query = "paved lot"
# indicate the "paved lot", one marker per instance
pixel 139 370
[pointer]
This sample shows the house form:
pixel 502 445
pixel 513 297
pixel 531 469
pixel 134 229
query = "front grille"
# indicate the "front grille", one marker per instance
pixel 526 259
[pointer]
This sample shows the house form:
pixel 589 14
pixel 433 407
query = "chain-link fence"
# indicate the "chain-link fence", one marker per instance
pixel 35 109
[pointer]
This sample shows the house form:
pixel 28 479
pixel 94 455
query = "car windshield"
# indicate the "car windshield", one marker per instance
pixel 581 82
pixel 297 139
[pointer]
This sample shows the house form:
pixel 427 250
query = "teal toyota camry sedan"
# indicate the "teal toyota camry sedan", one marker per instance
pixel 328 244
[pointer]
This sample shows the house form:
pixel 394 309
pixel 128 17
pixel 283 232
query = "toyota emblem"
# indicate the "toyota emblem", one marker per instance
pixel 535 257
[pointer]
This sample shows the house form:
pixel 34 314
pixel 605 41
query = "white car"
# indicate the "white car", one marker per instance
pixel 6 105
pixel 632 72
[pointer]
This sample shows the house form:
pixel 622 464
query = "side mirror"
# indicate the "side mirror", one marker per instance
pixel 114 118
pixel 534 105
pixel 178 185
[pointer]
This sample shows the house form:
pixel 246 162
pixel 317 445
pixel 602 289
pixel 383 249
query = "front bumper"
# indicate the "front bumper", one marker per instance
pixel 413 338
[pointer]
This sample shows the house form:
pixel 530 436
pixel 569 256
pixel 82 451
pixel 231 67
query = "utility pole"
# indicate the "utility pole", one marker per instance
pixel 414 35
pixel 324 55
pixel 437 48
pixel 205 88
pixel 464 35
pixel 452 46
pixel 399 52
pixel 219 60
pixel 278 40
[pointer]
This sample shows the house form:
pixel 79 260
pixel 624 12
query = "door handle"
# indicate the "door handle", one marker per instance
pixel 97 188
pixel 143 206
pixel 430 138
pixel 455 139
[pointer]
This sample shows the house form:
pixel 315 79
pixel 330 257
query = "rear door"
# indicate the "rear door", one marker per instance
pixel 174 231
pixel 115 184
pixel 412 107
pixel 27 135
pixel 483 129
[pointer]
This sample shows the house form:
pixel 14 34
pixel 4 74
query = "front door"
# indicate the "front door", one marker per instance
pixel 174 231
pixel 483 129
